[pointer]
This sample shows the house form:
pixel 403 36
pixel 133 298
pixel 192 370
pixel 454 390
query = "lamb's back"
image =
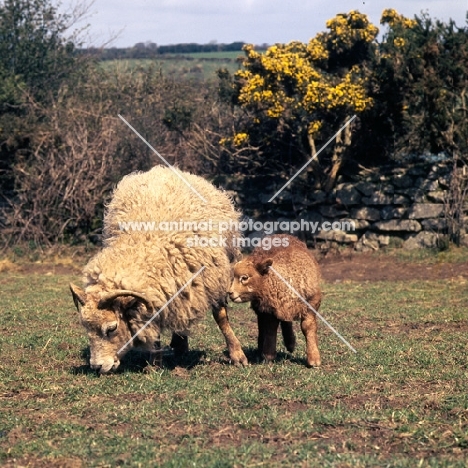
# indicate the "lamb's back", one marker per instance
pixel 299 268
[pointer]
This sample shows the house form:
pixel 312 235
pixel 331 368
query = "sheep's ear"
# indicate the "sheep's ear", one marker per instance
pixel 263 266
pixel 78 296
pixel 128 302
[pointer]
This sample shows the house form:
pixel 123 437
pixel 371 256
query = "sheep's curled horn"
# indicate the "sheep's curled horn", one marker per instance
pixel 106 298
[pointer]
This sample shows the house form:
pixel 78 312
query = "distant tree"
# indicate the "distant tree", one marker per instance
pixel 36 59
pixel 33 47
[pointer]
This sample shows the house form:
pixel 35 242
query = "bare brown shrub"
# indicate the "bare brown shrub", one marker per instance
pixel 455 202
pixel 80 148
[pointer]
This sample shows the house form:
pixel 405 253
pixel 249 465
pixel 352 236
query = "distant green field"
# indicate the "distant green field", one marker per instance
pixel 230 55
pixel 198 65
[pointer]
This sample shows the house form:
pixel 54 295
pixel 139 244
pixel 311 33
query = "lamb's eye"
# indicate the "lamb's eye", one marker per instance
pixel 244 278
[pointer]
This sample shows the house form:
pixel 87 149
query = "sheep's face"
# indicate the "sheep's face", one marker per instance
pixel 108 332
pixel 248 280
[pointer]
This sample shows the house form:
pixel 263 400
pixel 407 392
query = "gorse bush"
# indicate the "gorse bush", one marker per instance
pixel 408 92
pixel 297 93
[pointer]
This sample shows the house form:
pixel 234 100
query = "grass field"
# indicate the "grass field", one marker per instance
pixel 401 401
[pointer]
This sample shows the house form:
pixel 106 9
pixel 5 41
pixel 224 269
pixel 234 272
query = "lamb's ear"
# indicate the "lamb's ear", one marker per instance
pixel 78 296
pixel 263 266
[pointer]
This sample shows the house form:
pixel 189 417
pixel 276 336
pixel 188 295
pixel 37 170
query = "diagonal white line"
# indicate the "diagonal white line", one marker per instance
pixel 311 159
pixel 162 159
pixel 160 310
pixel 313 310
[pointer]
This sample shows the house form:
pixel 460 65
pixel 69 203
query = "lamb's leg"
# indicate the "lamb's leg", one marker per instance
pixel 261 334
pixel 289 337
pixel 234 347
pixel 270 330
pixel 179 343
pixel 309 328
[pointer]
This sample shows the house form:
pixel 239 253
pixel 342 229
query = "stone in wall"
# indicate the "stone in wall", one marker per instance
pixel 437 225
pixel 337 236
pixel 414 194
pixel 359 224
pixel 399 199
pixel 444 181
pixel 312 216
pixel 331 211
pixel 425 210
pixel 438 196
pixel 421 240
pixel 369 214
pixel 437 171
pixel 392 212
pixel 372 241
pixel 378 198
pixel 426 185
pixel 417 171
pixel 347 195
pixel 366 188
pixel 396 225
pixel 402 181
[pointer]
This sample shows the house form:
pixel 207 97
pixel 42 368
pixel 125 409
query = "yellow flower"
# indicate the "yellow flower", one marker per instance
pixel 314 127
pixel 240 139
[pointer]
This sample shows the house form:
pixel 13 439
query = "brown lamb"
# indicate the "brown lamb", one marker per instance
pixel 273 301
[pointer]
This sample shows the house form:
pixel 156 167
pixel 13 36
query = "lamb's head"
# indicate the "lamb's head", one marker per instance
pixel 248 279
pixel 105 316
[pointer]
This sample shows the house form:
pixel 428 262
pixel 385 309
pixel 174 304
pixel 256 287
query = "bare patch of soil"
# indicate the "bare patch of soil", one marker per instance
pixel 336 267
pixel 49 269
pixel 370 267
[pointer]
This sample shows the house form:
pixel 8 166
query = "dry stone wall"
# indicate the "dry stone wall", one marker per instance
pixel 400 206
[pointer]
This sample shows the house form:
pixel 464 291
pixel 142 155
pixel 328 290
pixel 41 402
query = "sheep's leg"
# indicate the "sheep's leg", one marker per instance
pixel 155 355
pixel 233 344
pixel 179 343
pixel 269 324
pixel 309 328
pixel 289 337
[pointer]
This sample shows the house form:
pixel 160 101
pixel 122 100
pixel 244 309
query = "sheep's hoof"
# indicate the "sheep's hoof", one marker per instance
pixel 179 343
pixel 238 358
pixel 150 369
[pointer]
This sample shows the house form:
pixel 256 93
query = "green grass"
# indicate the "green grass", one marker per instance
pixel 433 256
pixel 401 401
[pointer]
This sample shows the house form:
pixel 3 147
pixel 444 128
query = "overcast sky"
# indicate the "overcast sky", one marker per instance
pixel 225 21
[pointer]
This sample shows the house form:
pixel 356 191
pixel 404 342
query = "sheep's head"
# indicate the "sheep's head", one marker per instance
pixel 106 318
pixel 248 279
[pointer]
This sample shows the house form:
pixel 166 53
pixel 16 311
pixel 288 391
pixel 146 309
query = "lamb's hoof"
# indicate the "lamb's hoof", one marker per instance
pixel 268 359
pixel 312 364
